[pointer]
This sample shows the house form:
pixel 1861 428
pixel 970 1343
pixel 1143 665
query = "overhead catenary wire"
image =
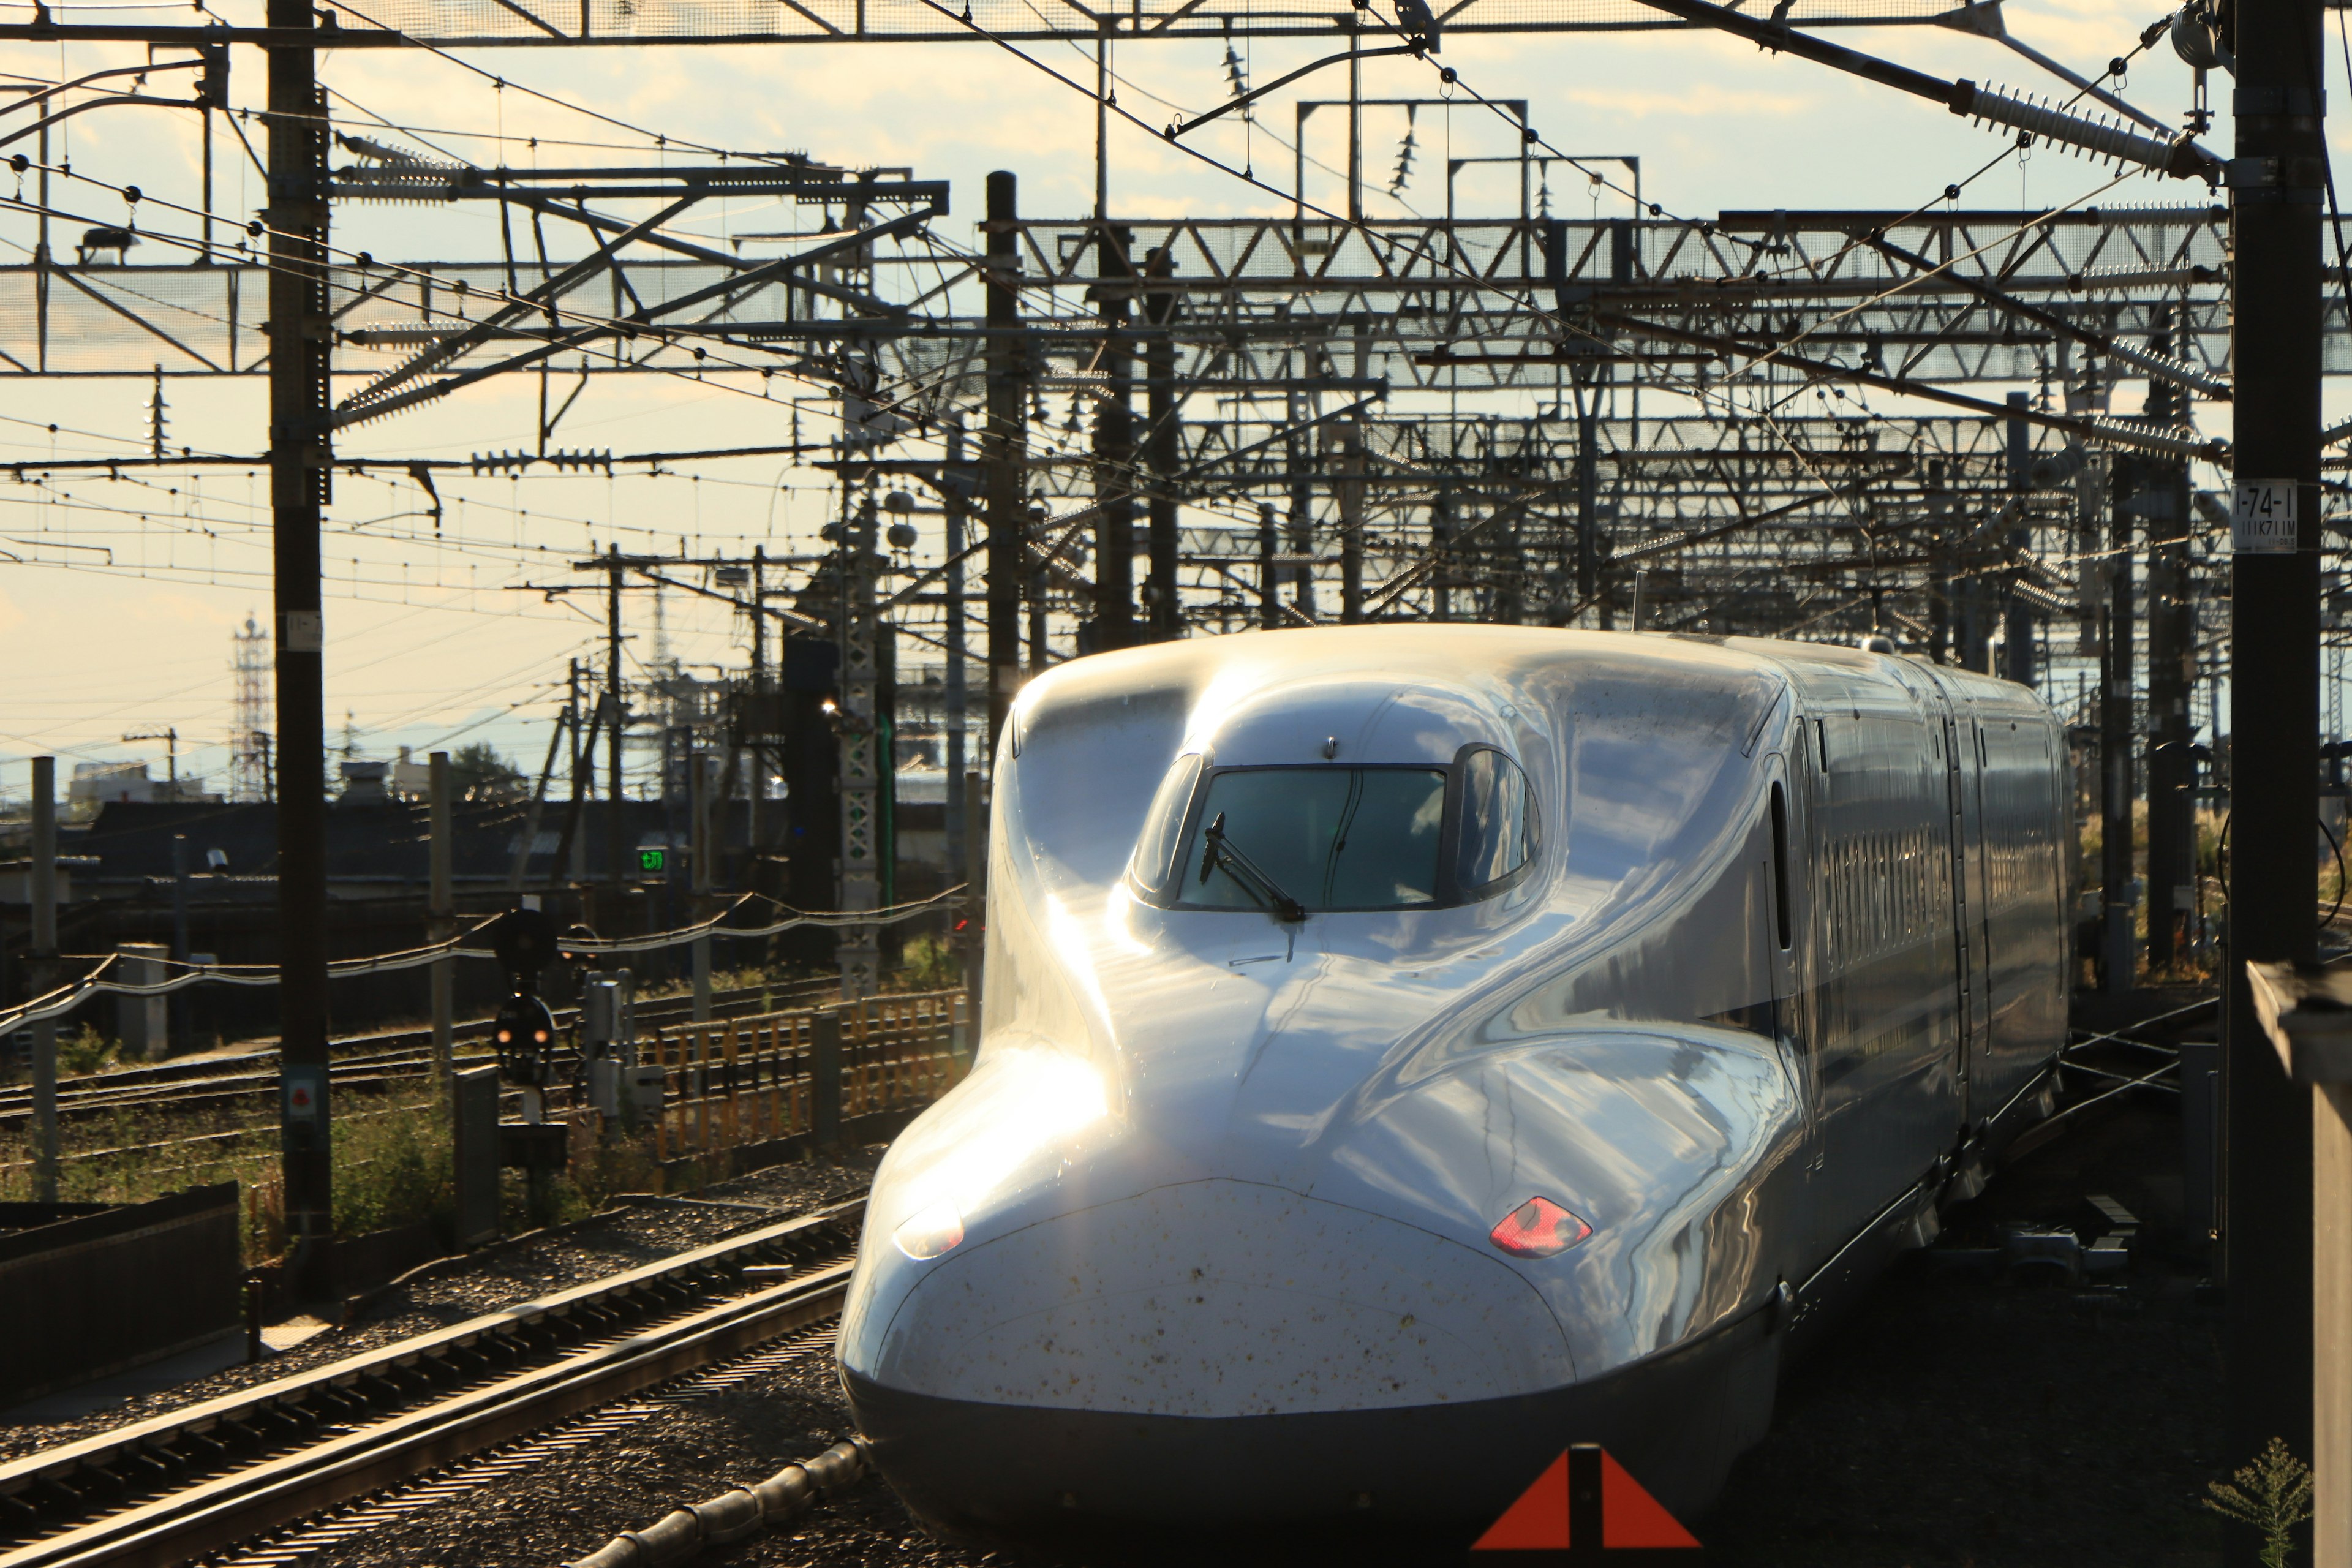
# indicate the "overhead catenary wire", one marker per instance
pixel 64 999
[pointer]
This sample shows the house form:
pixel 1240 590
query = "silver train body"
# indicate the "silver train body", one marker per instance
pixel 1742 956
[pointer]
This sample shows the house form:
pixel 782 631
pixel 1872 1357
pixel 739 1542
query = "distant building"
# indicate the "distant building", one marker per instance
pixel 365 782
pixel 94 785
pixel 373 781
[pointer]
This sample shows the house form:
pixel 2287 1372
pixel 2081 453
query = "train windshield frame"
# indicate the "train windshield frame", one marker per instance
pixel 1337 837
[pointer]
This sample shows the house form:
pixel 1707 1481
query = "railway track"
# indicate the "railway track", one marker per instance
pixel 361 1062
pixel 214 1476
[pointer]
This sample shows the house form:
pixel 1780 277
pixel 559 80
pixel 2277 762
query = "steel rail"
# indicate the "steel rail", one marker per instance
pixel 173 1083
pixel 219 1506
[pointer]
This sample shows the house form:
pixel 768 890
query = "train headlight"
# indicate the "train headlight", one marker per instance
pixel 1539 1228
pixel 928 1232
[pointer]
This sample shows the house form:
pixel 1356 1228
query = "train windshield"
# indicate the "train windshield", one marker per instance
pixel 1328 838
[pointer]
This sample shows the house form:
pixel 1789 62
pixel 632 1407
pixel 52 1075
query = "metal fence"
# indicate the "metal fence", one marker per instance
pixel 739 1081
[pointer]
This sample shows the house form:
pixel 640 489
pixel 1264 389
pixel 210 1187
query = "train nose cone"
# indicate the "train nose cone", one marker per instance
pixel 1076 1363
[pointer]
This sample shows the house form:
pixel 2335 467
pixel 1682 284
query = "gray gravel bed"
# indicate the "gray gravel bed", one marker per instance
pixel 497 1276
pixel 569 1505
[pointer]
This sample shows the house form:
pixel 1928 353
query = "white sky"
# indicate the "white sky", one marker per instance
pixel 93 655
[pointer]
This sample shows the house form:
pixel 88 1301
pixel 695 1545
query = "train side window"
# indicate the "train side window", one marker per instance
pixel 1822 742
pixel 1497 836
pixel 1780 863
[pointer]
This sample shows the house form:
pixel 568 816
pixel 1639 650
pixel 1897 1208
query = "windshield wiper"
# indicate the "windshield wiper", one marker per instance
pixel 1219 851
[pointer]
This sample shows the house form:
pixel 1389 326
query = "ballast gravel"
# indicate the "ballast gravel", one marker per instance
pixel 498 1276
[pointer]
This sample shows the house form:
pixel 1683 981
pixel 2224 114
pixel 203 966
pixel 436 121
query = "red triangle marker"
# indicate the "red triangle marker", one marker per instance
pixel 1631 1516
pixel 1548 1517
pixel 1537 1521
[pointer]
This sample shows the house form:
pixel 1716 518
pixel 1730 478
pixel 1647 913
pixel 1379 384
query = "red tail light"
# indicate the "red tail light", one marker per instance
pixel 1539 1228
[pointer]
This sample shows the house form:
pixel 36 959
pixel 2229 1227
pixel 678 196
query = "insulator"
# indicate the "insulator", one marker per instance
pixel 400 337
pixel 401 183
pixel 2099 137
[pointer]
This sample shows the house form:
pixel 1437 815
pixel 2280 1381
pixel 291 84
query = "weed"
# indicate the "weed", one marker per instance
pixel 928 964
pixel 2273 1494
pixel 87 1051
pixel 391 1170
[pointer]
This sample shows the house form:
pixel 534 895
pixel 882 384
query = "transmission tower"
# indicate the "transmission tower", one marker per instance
pixel 248 746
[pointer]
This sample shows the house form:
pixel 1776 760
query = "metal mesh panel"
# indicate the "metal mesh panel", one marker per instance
pixel 817 20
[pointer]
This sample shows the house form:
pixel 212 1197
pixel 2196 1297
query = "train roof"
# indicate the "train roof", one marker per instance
pixel 1500 658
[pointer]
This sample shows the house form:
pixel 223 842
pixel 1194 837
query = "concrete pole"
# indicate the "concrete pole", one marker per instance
pixel 2118 783
pixel 44 967
pixel 975 907
pixel 1164 452
pixel 953 505
pixel 442 909
pixel 301 476
pixel 616 824
pixel 1003 450
pixel 755 783
pixel 1269 587
pixel 2019 619
pixel 178 1008
pixel 1350 435
pixel 699 850
pixel 2276 321
pixel 1113 450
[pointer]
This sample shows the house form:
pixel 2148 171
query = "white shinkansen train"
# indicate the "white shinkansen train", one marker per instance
pixel 1409 1050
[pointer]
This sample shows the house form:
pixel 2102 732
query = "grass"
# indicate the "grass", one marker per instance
pixel 392 1163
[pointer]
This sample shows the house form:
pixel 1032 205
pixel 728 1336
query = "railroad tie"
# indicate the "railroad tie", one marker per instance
pixel 301 1545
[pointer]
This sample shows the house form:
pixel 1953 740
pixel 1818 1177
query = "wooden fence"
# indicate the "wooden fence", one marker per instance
pixel 737 1081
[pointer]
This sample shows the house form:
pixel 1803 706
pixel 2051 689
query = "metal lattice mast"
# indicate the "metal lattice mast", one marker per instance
pixel 248 713
pixel 862 756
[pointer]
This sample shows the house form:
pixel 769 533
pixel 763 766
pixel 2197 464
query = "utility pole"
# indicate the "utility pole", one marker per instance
pixel 2266 1226
pixel 2018 642
pixel 301 334
pixel 1296 443
pixel 1587 489
pixel 755 793
pixel 1441 551
pixel 1355 118
pixel 42 261
pixel 863 756
pixel 182 1026
pixel 1269 583
pixel 170 736
pixel 1001 451
pixel 44 894
pixel 2116 780
pixel 572 858
pixel 975 879
pixel 617 826
pixel 443 924
pixel 954 499
pixel 1349 434
pixel 1114 475
pixel 2171 675
pixel 701 846
pixel 1164 448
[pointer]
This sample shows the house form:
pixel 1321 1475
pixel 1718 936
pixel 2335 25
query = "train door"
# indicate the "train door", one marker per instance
pixel 1964 781
pixel 1780 923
